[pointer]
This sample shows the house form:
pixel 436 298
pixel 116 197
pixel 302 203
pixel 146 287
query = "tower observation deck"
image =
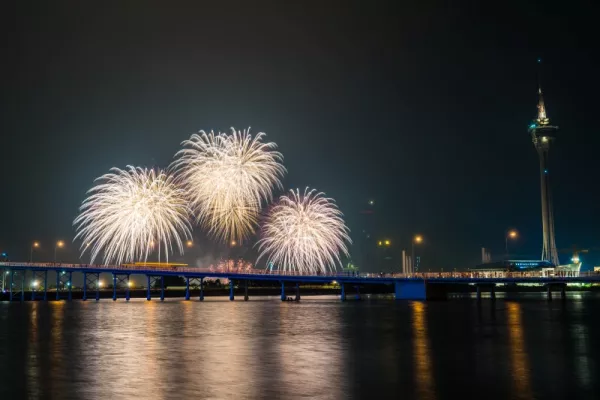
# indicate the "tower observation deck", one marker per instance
pixel 543 135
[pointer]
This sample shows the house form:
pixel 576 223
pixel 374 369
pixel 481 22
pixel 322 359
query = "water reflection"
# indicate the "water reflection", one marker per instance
pixel 421 353
pixel 518 355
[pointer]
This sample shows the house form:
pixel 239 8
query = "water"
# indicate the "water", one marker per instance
pixel 317 349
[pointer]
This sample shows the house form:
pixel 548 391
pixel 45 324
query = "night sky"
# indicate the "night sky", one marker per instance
pixel 421 107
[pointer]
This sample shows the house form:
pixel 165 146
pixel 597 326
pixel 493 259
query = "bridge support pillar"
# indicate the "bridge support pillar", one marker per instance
pixel 33 289
pixel 57 285
pixel 70 286
pixel 357 292
pixel 343 294
pixel 493 292
pixel 410 290
pixel 201 289
pixel 246 290
pixel 114 287
pixel 549 292
pixel 148 283
pixel 297 291
pixel 45 285
pixel 12 278
pixel 162 288
pixel 231 295
pixel 478 293
pixel 84 298
pixel 563 294
pixel 282 291
pixel 127 294
pixel 187 287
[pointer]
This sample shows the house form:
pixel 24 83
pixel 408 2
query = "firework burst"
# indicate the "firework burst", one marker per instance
pixel 304 233
pixel 131 213
pixel 227 178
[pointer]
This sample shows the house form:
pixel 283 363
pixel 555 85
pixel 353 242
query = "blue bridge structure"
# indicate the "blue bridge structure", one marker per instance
pixel 421 286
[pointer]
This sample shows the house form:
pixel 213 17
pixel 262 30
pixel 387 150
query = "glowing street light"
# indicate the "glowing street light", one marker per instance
pixel 189 243
pixel 233 243
pixel 100 284
pixel 35 284
pixel 510 234
pixel 129 283
pixel 34 245
pixel 417 239
pixel 59 245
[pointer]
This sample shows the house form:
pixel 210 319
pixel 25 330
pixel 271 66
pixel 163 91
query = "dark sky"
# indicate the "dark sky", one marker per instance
pixel 422 106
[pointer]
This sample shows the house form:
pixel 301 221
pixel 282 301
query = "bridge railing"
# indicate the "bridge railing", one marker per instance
pixel 333 276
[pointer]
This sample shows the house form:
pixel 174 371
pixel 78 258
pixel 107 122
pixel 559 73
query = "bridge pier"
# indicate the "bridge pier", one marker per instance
pixel 45 285
pixel 343 294
pixel 12 277
pixel 357 292
pixel 493 292
pixel 162 288
pixel 187 287
pixel 148 283
pixel 563 294
pixel 246 290
pixel 127 295
pixel 282 291
pixel 549 292
pixel 201 289
pixel 297 291
pixel 84 298
pixel 114 286
pixel 231 296
pixel 410 290
pixel 57 285
pixel 478 292
pixel 70 286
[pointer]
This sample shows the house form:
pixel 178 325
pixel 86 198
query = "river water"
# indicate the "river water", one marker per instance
pixel 319 348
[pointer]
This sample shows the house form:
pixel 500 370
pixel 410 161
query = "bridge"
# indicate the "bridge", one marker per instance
pixel 417 286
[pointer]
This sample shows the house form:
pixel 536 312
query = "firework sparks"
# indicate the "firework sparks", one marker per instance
pixel 304 233
pixel 131 213
pixel 227 178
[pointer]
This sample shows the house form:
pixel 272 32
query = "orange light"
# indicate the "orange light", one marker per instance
pixel 513 234
pixel 418 239
pixel 60 243
pixel 233 243
pixel 36 244
pixel 189 243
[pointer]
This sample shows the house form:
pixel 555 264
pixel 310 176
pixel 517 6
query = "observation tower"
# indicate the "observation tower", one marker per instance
pixel 543 135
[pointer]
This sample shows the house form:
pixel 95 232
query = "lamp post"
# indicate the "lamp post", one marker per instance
pixel 510 234
pixel 34 245
pixel 418 239
pixel 60 244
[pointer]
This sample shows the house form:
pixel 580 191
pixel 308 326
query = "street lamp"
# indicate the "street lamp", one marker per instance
pixel 510 234
pixel 189 243
pixel 418 239
pixel 59 245
pixel 34 245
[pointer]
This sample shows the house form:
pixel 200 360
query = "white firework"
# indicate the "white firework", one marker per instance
pixel 228 178
pixel 304 233
pixel 132 213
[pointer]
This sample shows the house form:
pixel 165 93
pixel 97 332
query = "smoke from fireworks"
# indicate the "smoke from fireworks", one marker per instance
pixel 304 233
pixel 130 212
pixel 227 178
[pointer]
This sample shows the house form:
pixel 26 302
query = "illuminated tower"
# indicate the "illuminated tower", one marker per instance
pixel 542 135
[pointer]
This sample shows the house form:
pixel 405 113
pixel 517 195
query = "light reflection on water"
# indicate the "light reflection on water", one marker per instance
pixel 318 348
